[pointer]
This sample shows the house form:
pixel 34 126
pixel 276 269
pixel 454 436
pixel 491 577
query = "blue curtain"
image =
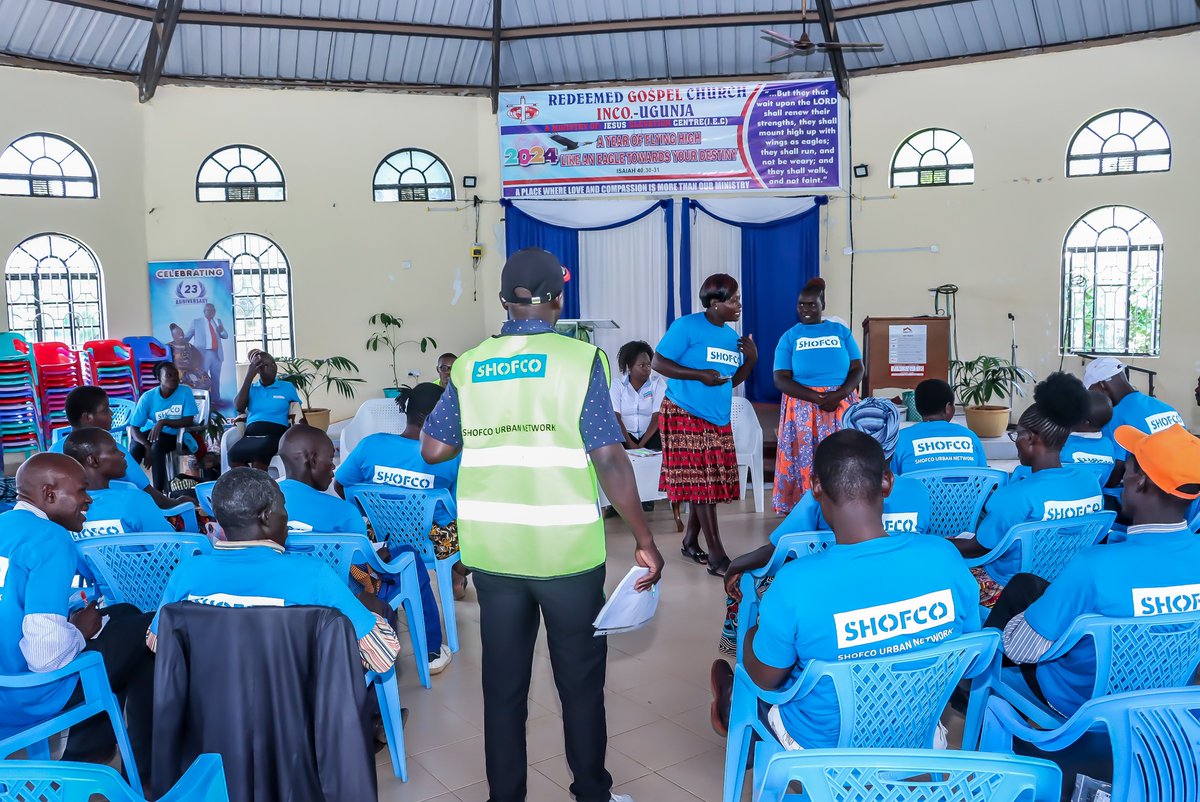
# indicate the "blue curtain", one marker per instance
pixel 777 259
pixel 525 231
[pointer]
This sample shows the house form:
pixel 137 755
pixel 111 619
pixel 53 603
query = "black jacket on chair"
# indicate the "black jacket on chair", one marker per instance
pixel 278 692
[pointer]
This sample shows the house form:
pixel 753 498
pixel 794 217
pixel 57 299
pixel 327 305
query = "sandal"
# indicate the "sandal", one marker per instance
pixel 694 554
pixel 720 568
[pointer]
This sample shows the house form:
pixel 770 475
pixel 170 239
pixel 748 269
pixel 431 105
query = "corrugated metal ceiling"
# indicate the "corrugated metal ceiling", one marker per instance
pixel 447 43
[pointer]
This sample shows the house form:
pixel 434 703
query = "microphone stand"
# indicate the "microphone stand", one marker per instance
pixel 1012 356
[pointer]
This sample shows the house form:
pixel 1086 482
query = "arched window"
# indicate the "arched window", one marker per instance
pixel 46 166
pixel 933 157
pixel 1112 283
pixel 262 293
pixel 412 174
pixel 1121 141
pixel 54 290
pixel 239 173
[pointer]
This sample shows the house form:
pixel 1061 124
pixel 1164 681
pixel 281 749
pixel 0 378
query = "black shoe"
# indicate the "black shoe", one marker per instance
pixel 647 506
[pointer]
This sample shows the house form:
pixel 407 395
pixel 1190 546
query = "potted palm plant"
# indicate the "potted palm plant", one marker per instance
pixel 325 373
pixel 979 381
pixel 388 336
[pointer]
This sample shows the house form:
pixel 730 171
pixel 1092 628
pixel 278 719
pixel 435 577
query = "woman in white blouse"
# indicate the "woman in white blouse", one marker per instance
pixel 636 396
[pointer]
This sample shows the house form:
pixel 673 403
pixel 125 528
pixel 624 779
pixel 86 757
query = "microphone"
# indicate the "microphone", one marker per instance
pixel 1011 316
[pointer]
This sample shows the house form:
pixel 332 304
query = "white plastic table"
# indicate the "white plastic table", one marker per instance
pixel 646 470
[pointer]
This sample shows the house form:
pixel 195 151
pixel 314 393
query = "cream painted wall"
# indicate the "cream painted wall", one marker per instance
pixel 999 240
pixel 103 118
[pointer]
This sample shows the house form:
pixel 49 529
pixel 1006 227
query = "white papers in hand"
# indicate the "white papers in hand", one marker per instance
pixel 626 608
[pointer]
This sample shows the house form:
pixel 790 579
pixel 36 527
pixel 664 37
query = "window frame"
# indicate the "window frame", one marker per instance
pixel 39 329
pixel 948 167
pixel 1067 306
pixel 264 341
pixel 398 187
pixel 94 180
pixel 227 185
pixel 1135 153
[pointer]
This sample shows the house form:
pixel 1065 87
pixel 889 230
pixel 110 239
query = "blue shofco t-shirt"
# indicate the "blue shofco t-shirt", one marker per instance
pixel 1150 573
pixel 1048 495
pixel 818 355
pixel 1143 413
pixel 120 510
pixel 863 600
pixel 259 576
pixel 271 404
pixel 310 510
pixel 694 343
pixel 906 510
pixel 1088 451
pixel 937 444
pixel 392 459
pixel 134 474
pixel 37 565
pixel 152 407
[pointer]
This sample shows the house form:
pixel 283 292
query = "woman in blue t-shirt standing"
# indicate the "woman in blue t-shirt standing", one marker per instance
pixel 817 367
pixel 703 359
pixel 267 404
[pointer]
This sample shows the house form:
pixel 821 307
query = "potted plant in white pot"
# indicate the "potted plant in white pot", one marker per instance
pixel 325 373
pixel 388 336
pixel 979 381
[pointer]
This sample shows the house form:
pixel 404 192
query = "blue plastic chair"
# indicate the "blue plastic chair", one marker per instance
pixel 56 781
pixel 187 511
pixel 404 518
pixel 957 496
pixel 340 551
pixel 98 699
pixel 884 702
pixel 122 412
pixel 1155 738
pixel 892 775
pixel 134 568
pixel 204 497
pixel 1047 546
pixel 1132 654
pixel 789 547
pixel 1194 524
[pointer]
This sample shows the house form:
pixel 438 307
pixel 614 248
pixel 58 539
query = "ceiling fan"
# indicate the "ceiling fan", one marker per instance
pixel 804 45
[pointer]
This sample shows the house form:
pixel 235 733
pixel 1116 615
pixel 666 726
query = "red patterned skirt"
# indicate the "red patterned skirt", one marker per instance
pixel 699 458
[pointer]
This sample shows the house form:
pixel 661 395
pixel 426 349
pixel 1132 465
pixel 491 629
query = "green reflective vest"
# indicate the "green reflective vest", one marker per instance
pixel 527 500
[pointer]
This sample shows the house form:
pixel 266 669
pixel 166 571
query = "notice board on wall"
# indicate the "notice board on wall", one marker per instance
pixel 902 352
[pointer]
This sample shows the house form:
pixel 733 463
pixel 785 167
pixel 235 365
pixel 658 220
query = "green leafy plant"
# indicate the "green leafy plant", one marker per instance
pixel 388 336
pixel 326 373
pixel 215 429
pixel 980 380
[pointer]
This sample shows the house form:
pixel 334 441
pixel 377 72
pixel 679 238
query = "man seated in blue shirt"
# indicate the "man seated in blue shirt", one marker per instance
pixel 1053 492
pixel 307 455
pixel 88 406
pixel 1130 407
pixel 249 569
pixel 157 419
pixel 38 631
pixel 1153 572
pixel 116 508
pixel 936 442
pixel 822 607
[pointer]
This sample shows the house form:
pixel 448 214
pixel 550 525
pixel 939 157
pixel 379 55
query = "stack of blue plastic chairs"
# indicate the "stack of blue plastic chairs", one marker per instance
pixel 60 369
pixel 20 421
pixel 112 368
pixel 147 352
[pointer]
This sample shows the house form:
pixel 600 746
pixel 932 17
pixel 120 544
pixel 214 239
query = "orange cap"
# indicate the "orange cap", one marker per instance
pixel 1170 457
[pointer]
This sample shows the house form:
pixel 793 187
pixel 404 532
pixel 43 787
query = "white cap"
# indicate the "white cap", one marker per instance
pixel 1101 369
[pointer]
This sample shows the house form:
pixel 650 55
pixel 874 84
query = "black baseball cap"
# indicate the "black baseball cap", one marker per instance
pixel 536 271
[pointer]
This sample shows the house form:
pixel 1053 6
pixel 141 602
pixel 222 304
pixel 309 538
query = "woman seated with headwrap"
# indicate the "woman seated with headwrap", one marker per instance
pixel 906 507
pixel 267 403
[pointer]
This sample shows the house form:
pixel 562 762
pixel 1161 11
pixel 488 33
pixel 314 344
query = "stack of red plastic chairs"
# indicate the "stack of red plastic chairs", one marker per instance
pixel 112 367
pixel 60 370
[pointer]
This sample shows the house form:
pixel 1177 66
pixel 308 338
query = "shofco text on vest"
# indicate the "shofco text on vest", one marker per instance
pixel 525 366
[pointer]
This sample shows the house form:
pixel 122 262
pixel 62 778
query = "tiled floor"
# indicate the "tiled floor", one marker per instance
pixel 660 746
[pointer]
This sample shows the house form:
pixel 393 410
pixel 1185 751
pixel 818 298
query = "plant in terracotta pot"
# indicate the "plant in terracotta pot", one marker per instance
pixel 388 337
pixel 326 373
pixel 978 382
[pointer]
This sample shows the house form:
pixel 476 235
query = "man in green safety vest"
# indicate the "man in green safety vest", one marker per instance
pixel 529 411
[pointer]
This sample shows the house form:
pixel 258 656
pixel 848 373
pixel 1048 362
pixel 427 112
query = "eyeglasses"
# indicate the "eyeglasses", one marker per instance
pixel 1015 434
